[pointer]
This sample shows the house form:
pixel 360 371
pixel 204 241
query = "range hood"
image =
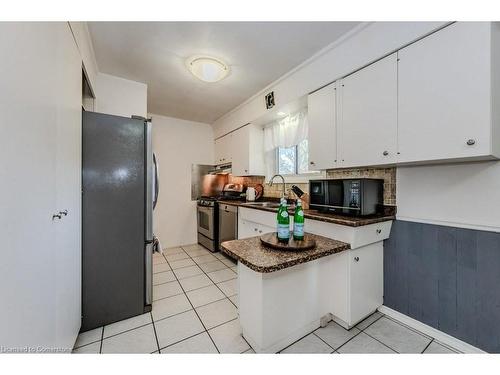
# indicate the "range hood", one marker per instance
pixel 221 169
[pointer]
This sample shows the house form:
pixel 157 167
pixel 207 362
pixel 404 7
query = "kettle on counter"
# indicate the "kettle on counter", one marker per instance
pixel 250 194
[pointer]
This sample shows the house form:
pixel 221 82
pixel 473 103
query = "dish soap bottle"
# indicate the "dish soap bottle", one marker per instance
pixel 298 222
pixel 283 220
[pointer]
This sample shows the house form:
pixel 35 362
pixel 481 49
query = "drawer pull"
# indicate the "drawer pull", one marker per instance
pixel 356 259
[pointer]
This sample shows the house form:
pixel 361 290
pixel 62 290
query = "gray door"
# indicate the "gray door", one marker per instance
pixel 113 213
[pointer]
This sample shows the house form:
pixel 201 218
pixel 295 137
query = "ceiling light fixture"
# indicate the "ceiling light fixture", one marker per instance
pixel 207 69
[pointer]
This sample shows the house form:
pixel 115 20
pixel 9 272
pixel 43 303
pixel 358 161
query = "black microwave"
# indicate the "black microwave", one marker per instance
pixel 353 196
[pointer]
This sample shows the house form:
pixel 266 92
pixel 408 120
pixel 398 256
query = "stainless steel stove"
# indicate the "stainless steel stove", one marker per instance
pixel 208 215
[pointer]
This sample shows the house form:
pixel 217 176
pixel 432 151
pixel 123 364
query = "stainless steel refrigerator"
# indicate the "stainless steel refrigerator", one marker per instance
pixel 119 192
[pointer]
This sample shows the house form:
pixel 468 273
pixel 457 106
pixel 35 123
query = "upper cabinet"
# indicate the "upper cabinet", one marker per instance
pixel 367 130
pixel 322 136
pixel 445 94
pixel 223 149
pixel 244 148
pixel 432 101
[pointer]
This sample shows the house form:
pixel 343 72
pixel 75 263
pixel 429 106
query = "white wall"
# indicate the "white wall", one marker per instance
pixel 364 45
pixel 120 97
pixel 178 144
pixel 40 174
pixel 462 195
pixel 83 41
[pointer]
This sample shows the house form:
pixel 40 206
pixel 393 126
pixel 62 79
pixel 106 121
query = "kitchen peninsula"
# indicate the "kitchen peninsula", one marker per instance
pixel 284 295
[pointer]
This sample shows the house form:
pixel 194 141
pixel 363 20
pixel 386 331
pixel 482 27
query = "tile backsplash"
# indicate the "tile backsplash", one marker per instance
pixel 387 174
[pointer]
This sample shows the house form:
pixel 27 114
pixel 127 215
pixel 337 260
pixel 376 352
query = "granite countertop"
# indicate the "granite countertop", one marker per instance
pixel 253 254
pixel 351 221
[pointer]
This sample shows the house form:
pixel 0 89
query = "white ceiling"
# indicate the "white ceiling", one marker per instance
pixel 258 53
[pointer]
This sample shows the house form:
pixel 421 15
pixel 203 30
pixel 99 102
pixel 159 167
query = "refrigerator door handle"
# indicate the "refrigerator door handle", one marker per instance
pixel 148 262
pixel 157 181
pixel 149 181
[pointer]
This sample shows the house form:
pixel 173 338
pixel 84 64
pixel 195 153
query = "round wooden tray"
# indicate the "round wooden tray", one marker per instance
pixel 271 240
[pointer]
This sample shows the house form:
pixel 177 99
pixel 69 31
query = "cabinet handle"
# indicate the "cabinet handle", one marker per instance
pixel 56 216
pixel 255 229
pixel 385 153
pixel 356 259
pixel 311 162
pixel 246 170
pixel 65 212
pixel 260 231
pixel 379 231
pixel 471 142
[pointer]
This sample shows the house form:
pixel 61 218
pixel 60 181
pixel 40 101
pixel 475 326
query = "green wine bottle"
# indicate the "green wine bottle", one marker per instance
pixel 283 220
pixel 298 222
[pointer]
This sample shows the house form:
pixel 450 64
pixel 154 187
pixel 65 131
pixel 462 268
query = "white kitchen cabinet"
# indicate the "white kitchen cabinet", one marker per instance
pixel 322 133
pixel 346 287
pixel 248 229
pixel 223 149
pixel 244 148
pixel 247 151
pixel 252 222
pixel 367 131
pixel 358 275
pixel 449 86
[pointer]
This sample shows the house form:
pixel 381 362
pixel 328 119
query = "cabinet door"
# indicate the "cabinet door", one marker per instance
pixel 368 125
pixel 240 151
pixel 248 229
pixel 366 281
pixel 444 97
pixel 322 137
pixel 245 229
pixel 223 149
pixel 217 152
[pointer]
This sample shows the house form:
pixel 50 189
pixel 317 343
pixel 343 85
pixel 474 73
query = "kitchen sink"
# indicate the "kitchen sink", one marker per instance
pixel 264 204
pixel 267 205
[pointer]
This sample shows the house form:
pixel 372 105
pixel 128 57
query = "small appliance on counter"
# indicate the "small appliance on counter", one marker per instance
pixel 353 197
pixel 209 216
pixel 250 194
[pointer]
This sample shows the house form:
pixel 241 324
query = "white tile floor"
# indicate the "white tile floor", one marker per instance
pixel 195 311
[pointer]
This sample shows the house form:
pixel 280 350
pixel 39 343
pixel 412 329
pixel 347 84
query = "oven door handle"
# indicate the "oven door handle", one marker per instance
pixel 205 209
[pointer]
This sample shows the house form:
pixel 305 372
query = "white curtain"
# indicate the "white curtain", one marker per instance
pixel 286 132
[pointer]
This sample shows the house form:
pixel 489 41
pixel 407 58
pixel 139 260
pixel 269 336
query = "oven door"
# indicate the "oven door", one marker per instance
pixel 206 221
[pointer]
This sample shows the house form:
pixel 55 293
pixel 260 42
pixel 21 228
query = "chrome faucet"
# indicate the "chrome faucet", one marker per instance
pixel 283 179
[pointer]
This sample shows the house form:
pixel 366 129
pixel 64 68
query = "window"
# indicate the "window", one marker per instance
pixel 293 160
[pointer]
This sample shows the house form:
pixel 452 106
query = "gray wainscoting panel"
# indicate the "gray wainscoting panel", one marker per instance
pixel 448 278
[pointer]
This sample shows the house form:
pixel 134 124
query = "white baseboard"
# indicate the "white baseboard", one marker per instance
pixel 429 331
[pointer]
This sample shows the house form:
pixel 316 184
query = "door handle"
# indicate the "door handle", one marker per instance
pixel 157 181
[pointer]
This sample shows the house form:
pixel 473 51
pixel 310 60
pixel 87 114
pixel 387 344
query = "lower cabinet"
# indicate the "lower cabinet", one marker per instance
pixel 253 223
pixel 248 229
pixel 355 276
pixel 358 290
